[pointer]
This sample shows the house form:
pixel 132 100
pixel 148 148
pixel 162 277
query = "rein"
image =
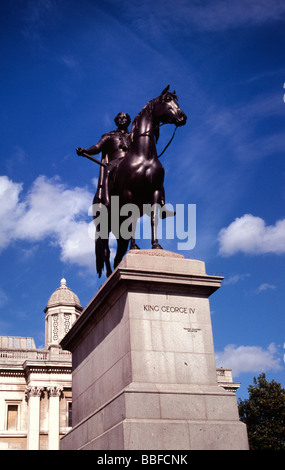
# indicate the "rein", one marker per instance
pixel 168 143
pixel 147 133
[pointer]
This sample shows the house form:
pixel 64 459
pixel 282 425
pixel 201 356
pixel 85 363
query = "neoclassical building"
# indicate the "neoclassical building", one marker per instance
pixel 36 384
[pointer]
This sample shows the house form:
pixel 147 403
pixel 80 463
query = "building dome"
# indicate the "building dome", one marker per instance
pixel 63 296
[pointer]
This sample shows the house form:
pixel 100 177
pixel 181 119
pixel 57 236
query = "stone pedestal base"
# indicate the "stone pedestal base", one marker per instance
pixel 144 372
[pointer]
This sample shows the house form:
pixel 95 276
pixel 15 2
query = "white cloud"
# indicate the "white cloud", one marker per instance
pixel 249 234
pixel 37 15
pixel 221 14
pixel 37 11
pixel 50 207
pixel 235 279
pixel 10 209
pixel 76 246
pixel 236 124
pixel 49 211
pixel 69 61
pixel 249 359
pixel 264 287
pixel 209 15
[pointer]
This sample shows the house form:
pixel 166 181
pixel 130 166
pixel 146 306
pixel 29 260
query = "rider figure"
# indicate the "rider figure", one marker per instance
pixel 114 146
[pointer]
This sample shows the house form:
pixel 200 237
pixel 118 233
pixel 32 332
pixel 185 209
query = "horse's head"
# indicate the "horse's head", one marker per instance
pixel 167 109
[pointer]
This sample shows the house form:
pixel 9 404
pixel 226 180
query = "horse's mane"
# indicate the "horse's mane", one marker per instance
pixel 149 106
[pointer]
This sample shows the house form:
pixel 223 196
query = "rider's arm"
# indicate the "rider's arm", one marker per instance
pixel 97 148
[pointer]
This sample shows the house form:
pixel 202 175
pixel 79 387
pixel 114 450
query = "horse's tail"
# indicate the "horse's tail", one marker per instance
pixel 99 254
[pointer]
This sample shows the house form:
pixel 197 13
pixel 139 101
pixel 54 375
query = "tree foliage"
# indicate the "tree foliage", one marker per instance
pixel 264 414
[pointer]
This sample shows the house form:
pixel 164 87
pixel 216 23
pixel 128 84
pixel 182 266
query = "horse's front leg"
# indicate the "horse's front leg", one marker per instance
pixel 154 219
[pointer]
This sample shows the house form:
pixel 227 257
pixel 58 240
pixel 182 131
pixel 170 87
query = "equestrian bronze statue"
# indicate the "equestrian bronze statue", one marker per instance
pixel 131 170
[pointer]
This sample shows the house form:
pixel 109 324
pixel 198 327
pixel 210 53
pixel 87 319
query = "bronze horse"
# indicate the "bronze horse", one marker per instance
pixel 139 177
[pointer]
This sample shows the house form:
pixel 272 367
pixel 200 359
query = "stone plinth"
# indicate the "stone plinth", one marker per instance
pixel 144 372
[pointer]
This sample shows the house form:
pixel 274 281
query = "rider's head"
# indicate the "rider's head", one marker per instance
pixel 122 120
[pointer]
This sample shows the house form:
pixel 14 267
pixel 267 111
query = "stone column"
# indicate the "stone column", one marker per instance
pixel 53 435
pixel 33 396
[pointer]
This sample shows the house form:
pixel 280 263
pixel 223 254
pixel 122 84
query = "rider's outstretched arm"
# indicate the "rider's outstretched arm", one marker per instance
pixel 97 148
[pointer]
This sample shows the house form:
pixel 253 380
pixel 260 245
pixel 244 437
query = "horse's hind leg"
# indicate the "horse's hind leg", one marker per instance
pixel 107 258
pixel 154 219
pixel 133 245
pixel 128 226
pixel 102 255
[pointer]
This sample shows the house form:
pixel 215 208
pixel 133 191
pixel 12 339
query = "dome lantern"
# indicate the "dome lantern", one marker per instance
pixel 62 310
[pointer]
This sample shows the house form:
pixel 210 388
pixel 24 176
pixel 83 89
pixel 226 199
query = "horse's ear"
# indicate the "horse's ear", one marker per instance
pixel 165 90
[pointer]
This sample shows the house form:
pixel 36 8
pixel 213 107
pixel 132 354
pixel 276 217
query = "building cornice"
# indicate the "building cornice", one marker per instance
pixel 12 370
pixel 46 367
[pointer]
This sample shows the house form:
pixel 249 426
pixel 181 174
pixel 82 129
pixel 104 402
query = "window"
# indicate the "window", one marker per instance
pixel 12 417
pixel 69 414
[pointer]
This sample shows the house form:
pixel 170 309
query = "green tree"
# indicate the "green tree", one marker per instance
pixel 264 414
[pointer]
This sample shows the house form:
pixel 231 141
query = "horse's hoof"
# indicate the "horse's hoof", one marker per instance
pixel 134 246
pixel 156 246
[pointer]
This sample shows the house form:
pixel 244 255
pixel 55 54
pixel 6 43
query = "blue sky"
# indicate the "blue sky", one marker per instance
pixel 67 68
